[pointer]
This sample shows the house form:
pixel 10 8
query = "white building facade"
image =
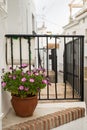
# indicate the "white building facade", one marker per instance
pixel 21 20
pixel 16 17
pixel 21 17
pixel 78 26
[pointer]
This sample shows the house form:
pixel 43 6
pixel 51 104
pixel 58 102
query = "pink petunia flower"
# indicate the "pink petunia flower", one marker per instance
pixel 3 84
pixel 10 76
pixel 31 80
pixel 29 73
pixel 39 68
pixel 26 89
pixel 21 87
pixel 44 81
pixel 22 73
pixel 36 74
pixel 14 77
pixel 23 79
pixel 24 65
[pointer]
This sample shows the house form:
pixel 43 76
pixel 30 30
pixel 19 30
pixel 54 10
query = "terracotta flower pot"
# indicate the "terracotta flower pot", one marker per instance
pixel 24 106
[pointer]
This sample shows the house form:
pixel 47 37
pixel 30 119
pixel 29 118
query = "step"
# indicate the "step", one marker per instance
pixel 51 121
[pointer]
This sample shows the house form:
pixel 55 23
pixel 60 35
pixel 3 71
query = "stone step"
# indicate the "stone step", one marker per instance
pixel 50 121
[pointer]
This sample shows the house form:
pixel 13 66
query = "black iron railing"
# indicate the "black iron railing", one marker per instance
pixel 42 53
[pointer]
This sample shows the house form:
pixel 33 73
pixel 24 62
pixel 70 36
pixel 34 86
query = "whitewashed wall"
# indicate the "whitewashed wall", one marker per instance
pixel 20 16
pixel 20 22
pixel 4 99
pixel 79 25
pixel 13 19
pixel 61 53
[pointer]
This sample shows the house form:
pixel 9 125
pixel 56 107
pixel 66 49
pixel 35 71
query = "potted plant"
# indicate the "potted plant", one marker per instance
pixel 24 87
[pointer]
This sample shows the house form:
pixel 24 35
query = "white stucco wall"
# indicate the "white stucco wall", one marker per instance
pixel 80 30
pixel 79 25
pixel 20 16
pixel 4 99
pixel 20 22
pixel 13 19
pixel 61 54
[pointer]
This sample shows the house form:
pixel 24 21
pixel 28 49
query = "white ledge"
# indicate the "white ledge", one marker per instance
pixel 62 105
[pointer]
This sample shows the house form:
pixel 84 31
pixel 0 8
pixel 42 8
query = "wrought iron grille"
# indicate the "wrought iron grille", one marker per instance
pixel 39 52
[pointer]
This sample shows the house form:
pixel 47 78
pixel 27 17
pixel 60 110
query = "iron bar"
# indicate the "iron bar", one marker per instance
pixel 38 51
pixel 47 68
pixel 61 99
pixel 38 57
pixel 39 35
pixel 29 53
pixel 65 61
pixel 82 67
pixel 6 52
pixel 78 67
pixel 20 52
pixel 73 67
pixel 12 53
pixel 56 68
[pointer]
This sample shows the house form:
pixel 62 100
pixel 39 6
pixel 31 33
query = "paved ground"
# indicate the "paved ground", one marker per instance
pixel 80 124
pixel 60 91
pixel 57 89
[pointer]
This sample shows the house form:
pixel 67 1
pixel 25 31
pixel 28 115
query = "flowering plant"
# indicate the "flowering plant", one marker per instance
pixel 24 83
